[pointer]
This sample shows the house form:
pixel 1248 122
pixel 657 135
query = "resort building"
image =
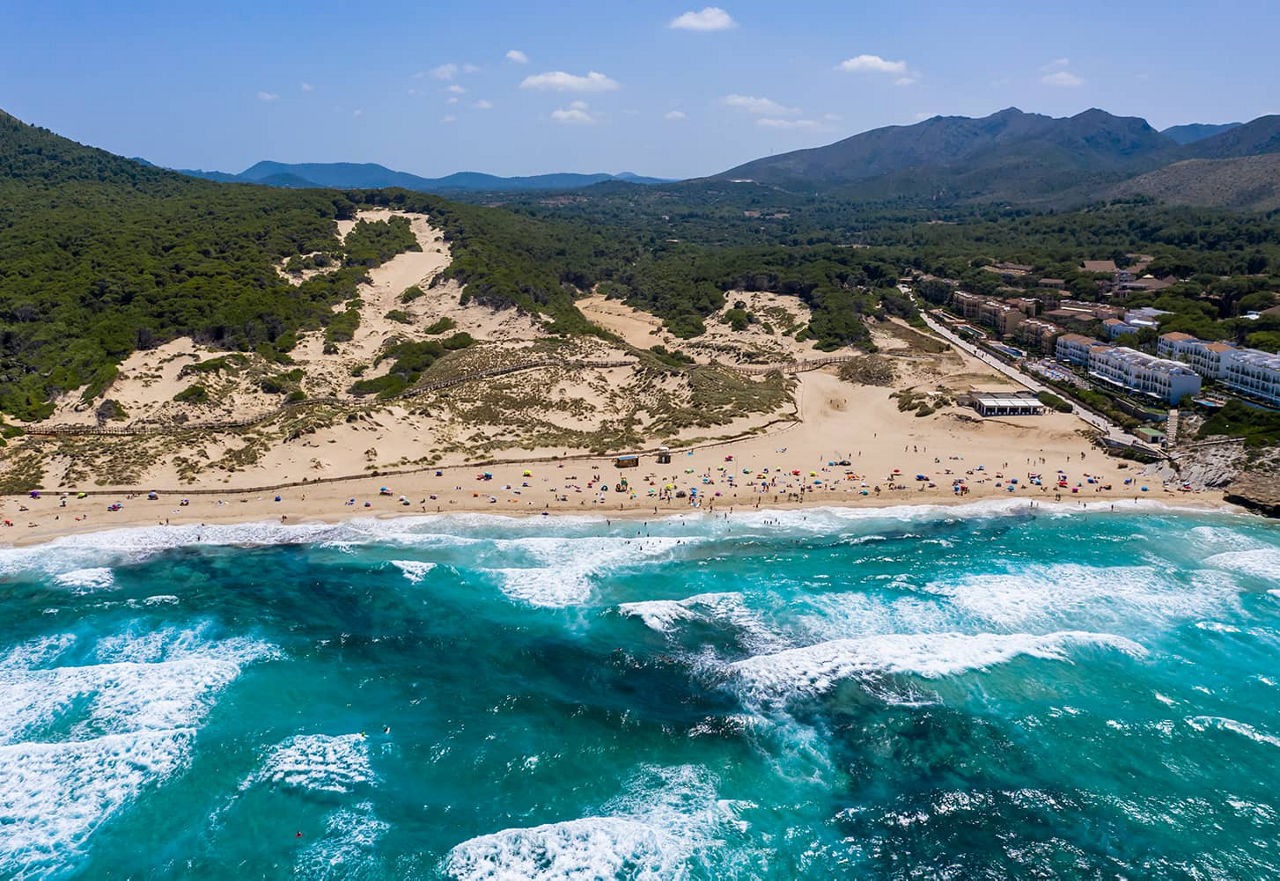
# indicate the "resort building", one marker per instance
pixel 1251 372
pixel 1036 332
pixel 1074 348
pixel 1135 371
pixel 1169 345
pixel 988 312
pixel 1115 327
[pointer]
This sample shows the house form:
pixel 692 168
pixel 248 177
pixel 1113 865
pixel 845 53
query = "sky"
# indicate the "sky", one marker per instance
pixel 671 89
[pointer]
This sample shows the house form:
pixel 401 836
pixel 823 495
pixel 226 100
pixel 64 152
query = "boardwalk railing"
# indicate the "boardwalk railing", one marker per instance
pixel 794 366
pixel 141 429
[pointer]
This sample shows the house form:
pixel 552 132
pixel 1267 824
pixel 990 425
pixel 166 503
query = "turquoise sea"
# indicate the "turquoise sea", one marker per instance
pixel 980 692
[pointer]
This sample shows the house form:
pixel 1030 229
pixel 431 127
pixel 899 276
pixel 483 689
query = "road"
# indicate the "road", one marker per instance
pixel 1106 426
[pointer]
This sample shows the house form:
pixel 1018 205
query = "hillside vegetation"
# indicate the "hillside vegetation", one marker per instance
pixel 1248 183
pixel 100 256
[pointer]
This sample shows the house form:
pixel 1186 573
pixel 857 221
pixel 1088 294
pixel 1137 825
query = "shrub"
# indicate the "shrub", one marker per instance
pixel 195 394
pixel 1053 402
pixel 342 327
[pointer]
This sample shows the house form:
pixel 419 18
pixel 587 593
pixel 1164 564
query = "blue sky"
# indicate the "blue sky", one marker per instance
pixel 680 89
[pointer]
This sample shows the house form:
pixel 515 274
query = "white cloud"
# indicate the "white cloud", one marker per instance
pixel 517 56
pixel 470 68
pixel 445 71
pixel 357 113
pixel 559 81
pixel 577 113
pixel 307 87
pixel 449 118
pixel 872 64
pixel 268 96
pixel 712 18
pixel 1056 64
pixel 456 89
pixel 760 106
pixel 1064 78
pixel 674 115
pixel 482 104
pixel 451 100
pixel 906 80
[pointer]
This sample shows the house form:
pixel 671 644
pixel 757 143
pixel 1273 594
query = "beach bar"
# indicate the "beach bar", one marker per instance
pixel 1005 403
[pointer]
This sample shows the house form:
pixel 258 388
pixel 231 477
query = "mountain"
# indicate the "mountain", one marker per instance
pixel 1028 159
pixel 371 176
pixel 221 177
pixel 1196 131
pixel 1246 183
pixel 1009 155
pixel 1251 139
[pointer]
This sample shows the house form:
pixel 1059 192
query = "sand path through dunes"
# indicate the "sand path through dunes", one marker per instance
pixel 386 283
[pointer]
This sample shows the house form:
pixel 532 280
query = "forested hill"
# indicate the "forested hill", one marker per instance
pixel 30 154
pixel 101 255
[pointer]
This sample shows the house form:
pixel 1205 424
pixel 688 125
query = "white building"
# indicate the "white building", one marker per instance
pixel 1006 403
pixel 1249 371
pixel 1114 327
pixel 1074 348
pixel 1136 371
pixel 1252 372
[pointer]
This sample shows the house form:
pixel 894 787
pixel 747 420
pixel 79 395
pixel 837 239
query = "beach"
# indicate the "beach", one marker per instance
pixel 994 459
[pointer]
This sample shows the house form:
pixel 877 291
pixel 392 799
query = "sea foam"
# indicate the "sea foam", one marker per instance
pixel 317 762
pixel 54 795
pixel 815 669
pixel 113 729
pixel 96 578
pixel 564 568
pixel 728 608
pixel 415 571
pixel 348 848
pixel 1263 563
pixel 667 819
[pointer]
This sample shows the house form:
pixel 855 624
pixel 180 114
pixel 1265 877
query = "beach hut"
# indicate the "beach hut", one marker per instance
pixel 664 455
pixel 628 461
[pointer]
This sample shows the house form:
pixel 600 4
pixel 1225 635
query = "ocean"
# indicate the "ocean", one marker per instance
pixel 990 691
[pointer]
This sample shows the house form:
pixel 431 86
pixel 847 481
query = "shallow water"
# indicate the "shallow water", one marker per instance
pixel 981 692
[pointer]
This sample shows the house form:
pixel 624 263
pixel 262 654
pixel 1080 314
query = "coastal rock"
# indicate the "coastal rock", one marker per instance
pixel 1258 490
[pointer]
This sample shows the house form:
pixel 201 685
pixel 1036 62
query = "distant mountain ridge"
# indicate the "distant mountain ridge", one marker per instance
pixel 1009 156
pixel 1197 131
pixel 371 176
